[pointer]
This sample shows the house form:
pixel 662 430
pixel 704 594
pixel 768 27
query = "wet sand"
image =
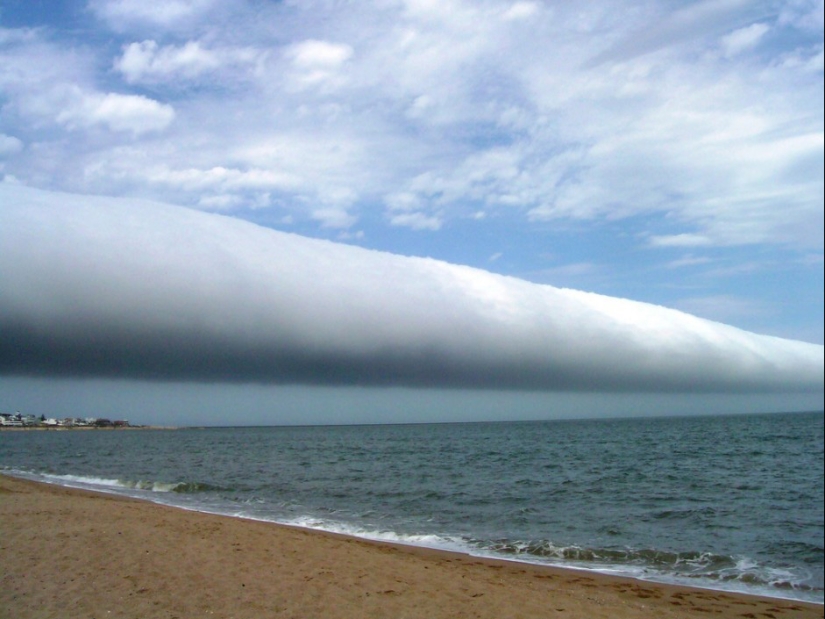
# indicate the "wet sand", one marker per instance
pixel 70 554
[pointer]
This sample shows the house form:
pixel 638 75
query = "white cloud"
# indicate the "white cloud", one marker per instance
pixel 218 178
pixel 124 14
pixel 333 217
pixel 680 240
pixel 816 62
pixel 530 112
pixel 743 39
pixel 318 63
pixel 219 202
pixel 130 113
pixel 416 221
pixel 806 60
pixel 44 84
pixel 313 54
pixel 407 210
pixel 145 59
pixel 403 201
pixel 150 63
pixel 9 145
pixel 688 260
pixel 803 14
pixel 37 76
pixel 174 294
pixel 674 28
pixel 521 10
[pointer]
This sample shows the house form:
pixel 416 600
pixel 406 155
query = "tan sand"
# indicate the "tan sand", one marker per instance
pixel 71 554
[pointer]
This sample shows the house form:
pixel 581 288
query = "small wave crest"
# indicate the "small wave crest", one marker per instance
pixel 657 564
pixel 426 540
pixel 181 487
pixel 546 549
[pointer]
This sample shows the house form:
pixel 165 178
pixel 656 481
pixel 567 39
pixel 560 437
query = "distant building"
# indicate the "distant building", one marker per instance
pixel 17 420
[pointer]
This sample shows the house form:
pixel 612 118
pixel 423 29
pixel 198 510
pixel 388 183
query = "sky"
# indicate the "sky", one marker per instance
pixel 243 212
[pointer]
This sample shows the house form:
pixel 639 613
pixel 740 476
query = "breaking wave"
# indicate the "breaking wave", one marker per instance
pixel 710 568
pixel 105 484
pixel 702 569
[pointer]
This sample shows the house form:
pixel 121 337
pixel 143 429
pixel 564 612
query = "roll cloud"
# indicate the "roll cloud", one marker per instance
pixel 107 287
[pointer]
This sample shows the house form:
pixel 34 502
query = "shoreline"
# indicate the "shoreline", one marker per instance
pixel 149 493
pixel 117 556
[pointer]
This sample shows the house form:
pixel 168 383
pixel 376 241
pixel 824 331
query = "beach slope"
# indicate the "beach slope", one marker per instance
pixel 69 553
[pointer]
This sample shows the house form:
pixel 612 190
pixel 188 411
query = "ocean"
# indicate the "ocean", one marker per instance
pixel 727 502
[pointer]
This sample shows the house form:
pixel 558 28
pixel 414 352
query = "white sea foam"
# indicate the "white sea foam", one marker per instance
pixel 103 483
pixel 71 480
pixel 437 542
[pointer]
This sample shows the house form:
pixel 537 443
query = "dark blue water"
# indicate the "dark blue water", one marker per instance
pixel 732 502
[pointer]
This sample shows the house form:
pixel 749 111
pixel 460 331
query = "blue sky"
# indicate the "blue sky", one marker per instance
pixel 665 152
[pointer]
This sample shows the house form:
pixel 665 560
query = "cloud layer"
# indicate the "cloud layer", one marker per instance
pixel 708 114
pixel 592 144
pixel 102 287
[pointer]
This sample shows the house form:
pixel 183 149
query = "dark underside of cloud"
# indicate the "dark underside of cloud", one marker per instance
pixel 179 357
pixel 87 352
pixel 96 287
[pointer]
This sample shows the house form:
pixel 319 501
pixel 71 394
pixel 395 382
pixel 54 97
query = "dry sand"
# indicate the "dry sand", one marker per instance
pixel 71 554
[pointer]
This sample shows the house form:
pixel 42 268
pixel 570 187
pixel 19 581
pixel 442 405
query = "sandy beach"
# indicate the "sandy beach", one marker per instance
pixel 69 553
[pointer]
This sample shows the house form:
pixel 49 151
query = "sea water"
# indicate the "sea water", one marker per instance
pixel 726 502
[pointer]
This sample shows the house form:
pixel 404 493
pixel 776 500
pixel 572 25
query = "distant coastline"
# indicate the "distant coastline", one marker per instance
pixel 81 428
pixel 20 421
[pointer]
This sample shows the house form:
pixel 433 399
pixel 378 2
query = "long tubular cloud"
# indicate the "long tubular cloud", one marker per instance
pixel 120 288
